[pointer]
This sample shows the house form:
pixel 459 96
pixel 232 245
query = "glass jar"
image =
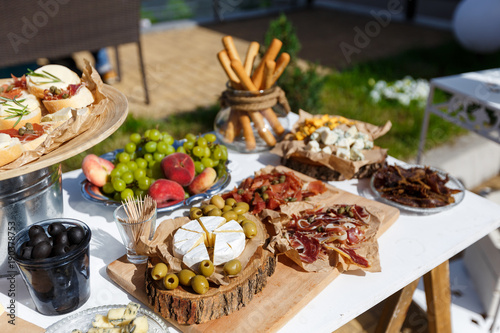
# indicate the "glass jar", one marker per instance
pixel 59 284
pixel 251 121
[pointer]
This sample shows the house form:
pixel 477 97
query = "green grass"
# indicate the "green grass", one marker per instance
pixel 199 121
pixel 345 93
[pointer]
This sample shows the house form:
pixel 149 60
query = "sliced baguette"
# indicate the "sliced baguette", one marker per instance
pixel 82 99
pixel 37 85
pixel 10 149
pixel 26 100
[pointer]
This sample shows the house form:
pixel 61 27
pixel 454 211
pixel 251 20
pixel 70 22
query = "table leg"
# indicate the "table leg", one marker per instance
pixel 395 310
pixel 438 296
pixel 425 125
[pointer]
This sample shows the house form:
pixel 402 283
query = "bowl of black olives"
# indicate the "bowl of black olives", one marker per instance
pixel 53 258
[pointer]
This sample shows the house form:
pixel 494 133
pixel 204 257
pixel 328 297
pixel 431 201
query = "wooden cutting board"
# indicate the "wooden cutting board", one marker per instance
pixel 288 290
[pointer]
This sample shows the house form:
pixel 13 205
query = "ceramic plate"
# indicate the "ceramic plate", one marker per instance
pixel 83 320
pixel 452 183
pixel 94 194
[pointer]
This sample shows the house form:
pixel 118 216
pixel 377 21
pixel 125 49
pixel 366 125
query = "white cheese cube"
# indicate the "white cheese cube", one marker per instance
pixel 368 144
pixel 327 150
pixel 351 132
pixel 343 143
pixel 313 146
pixel 357 155
pixel 314 136
pixel 358 144
pixel 329 137
pixel 344 153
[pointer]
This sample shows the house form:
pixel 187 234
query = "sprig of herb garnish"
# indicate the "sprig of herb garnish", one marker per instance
pixel 19 112
pixel 46 75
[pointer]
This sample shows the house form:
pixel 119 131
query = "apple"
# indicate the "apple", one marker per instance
pixel 96 169
pixel 178 167
pixel 203 181
pixel 166 192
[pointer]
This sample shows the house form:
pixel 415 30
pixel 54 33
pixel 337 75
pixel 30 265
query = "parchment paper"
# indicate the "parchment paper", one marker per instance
pixel 161 246
pixel 295 149
pixel 368 249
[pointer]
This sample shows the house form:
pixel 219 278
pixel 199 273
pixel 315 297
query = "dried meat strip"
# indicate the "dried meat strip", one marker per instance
pixel 415 187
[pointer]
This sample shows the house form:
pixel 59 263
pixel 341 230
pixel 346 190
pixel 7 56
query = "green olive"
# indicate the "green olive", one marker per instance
pixel 242 206
pixel 230 215
pixel 245 221
pixel 226 208
pixel 231 202
pixel 206 268
pixel 185 277
pixel 171 281
pixel 215 212
pixel 239 210
pixel 217 201
pixel 207 208
pixel 195 213
pixel 199 284
pixel 241 218
pixel 159 271
pixel 250 230
pixel 232 267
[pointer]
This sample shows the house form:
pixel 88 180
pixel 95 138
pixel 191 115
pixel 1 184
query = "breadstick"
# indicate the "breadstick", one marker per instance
pixel 281 63
pixel 247 130
pixel 226 65
pixel 257 118
pixel 229 128
pixel 252 51
pixel 269 67
pixel 228 43
pixel 271 53
pixel 269 113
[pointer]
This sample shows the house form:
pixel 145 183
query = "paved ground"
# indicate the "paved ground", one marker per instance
pixel 183 72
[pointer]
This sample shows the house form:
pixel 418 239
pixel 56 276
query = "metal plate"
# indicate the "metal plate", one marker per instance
pixel 83 320
pixel 452 183
pixel 94 194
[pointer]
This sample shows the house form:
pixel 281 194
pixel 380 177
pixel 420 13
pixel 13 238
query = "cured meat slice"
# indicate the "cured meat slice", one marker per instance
pixel 271 190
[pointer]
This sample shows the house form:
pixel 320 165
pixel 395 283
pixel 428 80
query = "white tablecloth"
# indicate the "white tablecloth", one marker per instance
pixel 410 248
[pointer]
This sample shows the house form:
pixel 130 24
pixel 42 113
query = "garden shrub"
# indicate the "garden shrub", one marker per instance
pixel 302 86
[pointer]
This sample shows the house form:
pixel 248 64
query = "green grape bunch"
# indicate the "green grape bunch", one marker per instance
pixel 138 166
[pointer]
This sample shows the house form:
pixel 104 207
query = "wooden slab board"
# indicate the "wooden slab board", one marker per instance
pixel 287 291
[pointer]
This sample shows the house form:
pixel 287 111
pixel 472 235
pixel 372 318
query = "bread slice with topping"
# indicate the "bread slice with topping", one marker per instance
pixel 10 149
pixel 15 113
pixel 47 76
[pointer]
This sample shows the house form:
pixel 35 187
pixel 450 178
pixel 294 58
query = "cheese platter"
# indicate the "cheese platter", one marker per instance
pixel 286 290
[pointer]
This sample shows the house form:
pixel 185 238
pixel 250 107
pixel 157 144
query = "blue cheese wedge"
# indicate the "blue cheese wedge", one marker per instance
pixel 123 316
pixel 194 239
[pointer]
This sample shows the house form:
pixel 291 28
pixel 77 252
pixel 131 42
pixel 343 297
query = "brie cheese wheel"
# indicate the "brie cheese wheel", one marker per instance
pixel 192 241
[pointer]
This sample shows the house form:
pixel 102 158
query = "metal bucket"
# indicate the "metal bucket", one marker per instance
pixel 24 200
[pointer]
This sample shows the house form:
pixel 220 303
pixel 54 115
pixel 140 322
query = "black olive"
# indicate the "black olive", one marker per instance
pixel 76 234
pixel 34 230
pixel 26 252
pixel 59 249
pixel 61 238
pixel 55 228
pixel 41 250
pixel 38 238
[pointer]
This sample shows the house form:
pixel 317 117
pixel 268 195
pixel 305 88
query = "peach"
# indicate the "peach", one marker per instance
pixel 166 192
pixel 178 167
pixel 96 169
pixel 203 181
